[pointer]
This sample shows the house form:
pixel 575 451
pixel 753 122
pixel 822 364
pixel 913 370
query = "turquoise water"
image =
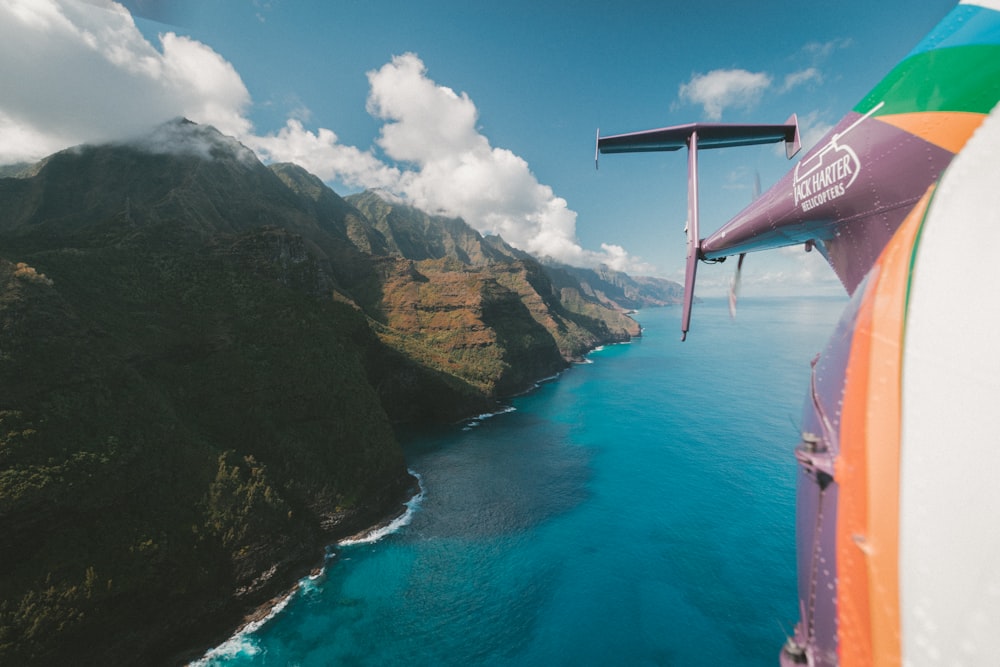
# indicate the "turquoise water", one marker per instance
pixel 638 510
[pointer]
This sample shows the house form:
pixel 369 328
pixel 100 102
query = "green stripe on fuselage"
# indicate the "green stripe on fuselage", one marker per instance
pixel 961 78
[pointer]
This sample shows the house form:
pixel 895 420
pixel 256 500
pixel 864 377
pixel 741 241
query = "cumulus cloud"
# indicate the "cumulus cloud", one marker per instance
pixel 73 72
pixel 322 154
pixel 720 89
pixel 454 169
pixel 207 86
pixel 425 121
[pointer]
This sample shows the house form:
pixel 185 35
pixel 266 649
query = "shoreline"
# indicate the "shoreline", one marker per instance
pixel 194 642
pixel 262 612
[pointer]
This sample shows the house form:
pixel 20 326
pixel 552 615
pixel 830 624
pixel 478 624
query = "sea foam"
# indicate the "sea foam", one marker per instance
pixel 502 411
pixel 244 644
pixel 377 533
pixel 473 422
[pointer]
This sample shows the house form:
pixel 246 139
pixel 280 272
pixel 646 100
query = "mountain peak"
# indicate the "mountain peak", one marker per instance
pixel 180 136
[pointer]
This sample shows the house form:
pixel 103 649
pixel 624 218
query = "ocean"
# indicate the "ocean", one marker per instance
pixel 636 510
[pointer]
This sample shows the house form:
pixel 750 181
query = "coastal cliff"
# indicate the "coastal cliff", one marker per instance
pixel 202 361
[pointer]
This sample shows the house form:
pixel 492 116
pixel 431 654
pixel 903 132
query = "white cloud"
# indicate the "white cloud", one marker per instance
pixel 75 72
pixel 810 74
pixel 820 51
pixel 209 89
pixel 812 128
pixel 20 142
pixel 724 88
pixel 321 154
pixel 425 121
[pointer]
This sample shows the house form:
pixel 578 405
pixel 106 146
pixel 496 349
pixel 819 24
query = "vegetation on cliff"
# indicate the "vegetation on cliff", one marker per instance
pixel 201 362
pixel 167 440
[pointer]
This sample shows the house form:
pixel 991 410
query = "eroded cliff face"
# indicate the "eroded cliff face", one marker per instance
pixel 493 313
pixel 201 363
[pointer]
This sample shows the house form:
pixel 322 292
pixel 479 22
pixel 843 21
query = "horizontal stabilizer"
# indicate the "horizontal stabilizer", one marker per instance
pixel 710 135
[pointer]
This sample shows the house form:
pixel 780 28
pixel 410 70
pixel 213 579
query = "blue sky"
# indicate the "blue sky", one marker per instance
pixel 482 109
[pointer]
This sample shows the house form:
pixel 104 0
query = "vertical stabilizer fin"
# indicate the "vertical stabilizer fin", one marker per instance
pixel 792 146
pixel 597 149
pixel 694 239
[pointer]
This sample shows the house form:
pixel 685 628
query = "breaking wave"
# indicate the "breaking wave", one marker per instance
pixel 244 644
pixel 378 532
pixel 473 422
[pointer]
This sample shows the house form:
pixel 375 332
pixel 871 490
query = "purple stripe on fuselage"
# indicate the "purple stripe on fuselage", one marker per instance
pixel 848 194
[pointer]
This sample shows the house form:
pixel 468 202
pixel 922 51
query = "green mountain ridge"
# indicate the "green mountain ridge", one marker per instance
pixel 202 362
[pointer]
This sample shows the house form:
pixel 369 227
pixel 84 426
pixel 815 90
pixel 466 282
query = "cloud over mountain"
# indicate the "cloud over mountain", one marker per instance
pixel 75 72
pixel 440 162
pixel 456 171
pixel 79 72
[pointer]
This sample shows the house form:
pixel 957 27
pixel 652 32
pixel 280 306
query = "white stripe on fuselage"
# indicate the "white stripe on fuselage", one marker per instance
pixel 949 547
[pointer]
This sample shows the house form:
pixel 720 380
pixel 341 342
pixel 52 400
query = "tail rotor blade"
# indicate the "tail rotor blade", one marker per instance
pixel 734 287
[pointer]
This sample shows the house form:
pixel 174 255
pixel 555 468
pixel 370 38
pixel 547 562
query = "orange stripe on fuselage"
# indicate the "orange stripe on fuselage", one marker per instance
pixel 851 473
pixel 949 130
pixel 867 468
